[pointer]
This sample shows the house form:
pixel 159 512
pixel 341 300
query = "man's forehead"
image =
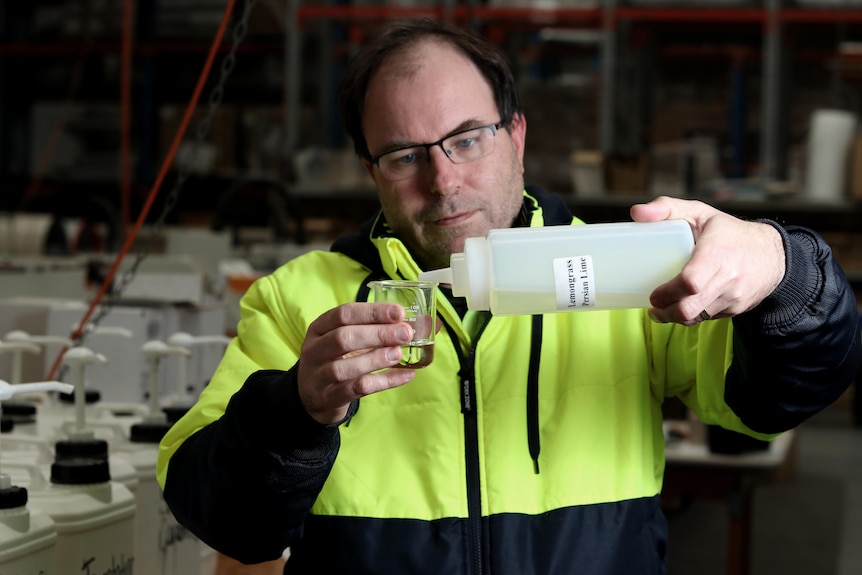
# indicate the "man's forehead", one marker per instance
pixel 427 92
pixel 411 58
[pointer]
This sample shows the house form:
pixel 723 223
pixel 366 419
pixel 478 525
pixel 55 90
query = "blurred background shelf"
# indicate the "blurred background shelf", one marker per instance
pixel 669 95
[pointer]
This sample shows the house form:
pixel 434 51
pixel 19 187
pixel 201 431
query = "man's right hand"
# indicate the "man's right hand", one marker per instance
pixel 343 352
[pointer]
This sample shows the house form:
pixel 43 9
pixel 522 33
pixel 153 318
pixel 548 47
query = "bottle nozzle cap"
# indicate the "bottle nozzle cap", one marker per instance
pixel 443 276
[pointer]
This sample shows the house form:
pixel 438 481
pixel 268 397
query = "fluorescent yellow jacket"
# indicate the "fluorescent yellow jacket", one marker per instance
pixel 534 446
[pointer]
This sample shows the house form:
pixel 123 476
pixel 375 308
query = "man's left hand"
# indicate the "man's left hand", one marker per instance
pixel 734 266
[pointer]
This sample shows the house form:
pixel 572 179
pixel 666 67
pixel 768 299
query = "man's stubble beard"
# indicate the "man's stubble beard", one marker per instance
pixel 433 249
pixel 437 249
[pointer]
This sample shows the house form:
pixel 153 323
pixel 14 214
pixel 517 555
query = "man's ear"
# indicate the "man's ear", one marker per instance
pixel 518 133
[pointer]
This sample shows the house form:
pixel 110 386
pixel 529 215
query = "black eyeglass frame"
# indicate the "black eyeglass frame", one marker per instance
pixel 494 127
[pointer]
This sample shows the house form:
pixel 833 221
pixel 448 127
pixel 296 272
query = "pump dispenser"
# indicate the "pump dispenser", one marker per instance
pixel 94 514
pixel 20 410
pixel 567 268
pixel 27 537
pixel 117 388
pixel 80 433
pixel 178 403
pixel 23 410
pixel 112 417
pixel 154 351
pixel 17 349
pixel 162 545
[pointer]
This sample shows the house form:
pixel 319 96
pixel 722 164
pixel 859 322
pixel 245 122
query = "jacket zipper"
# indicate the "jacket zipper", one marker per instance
pixel 471 451
pixel 471 447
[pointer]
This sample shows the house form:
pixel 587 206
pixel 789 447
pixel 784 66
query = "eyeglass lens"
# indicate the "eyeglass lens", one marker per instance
pixel 460 148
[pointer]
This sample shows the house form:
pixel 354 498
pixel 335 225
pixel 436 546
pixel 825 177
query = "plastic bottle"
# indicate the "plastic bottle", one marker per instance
pixel 27 537
pixel 567 268
pixel 94 512
pixel 162 545
pixel 94 516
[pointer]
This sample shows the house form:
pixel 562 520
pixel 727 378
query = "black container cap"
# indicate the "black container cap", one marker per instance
pixel 148 432
pixel 80 471
pixel 90 396
pixel 13 497
pixel 81 449
pixel 7 424
pixel 19 409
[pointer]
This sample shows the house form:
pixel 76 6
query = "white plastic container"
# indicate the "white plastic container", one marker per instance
pixel 91 500
pixel 95 526
pixel 28 467
pixel 162 545
pixel 94 515
pixel 27 537
pixel 567 268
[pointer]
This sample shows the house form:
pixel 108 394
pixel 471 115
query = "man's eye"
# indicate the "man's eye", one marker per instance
pixel 402 157
pixel 465 143
pixel 467 140
pixel 406 159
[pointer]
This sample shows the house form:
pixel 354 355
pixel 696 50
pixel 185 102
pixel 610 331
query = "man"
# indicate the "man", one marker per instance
pixel 532 444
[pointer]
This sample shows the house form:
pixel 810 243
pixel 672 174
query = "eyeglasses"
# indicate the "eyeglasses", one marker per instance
pixel 460 147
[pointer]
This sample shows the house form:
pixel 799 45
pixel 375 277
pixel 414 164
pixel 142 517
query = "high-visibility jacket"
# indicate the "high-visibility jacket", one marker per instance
pixel 532 445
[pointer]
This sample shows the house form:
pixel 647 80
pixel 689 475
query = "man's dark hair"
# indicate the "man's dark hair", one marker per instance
pixel 398 36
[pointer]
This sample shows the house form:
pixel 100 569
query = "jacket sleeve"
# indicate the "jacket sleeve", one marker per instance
pixel 797 351
pixel 245 483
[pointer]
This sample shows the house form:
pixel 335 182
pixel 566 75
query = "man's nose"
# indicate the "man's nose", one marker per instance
pixel 442 172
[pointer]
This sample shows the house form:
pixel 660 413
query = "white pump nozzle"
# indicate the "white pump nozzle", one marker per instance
pixel 114 330
pixel 17 349
pixel 187 340
pixel 155 350
pixel 79 358
pixel 443 276
pixel 83 356
pixel 13 346
pixel 22 336
pixel 106 330
pixel 7 390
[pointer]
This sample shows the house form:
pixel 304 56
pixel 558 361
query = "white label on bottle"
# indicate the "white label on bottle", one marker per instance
pixel 574 283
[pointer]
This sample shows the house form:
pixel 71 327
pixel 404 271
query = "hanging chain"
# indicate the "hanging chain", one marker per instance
pixel 201 133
